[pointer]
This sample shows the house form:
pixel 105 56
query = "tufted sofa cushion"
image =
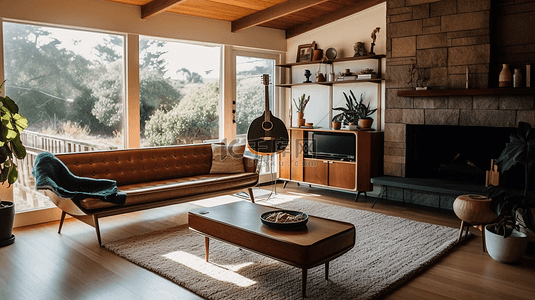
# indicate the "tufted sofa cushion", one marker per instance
pixel 141 165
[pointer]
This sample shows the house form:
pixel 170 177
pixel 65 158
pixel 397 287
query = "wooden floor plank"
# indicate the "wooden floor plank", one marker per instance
pixel 43 264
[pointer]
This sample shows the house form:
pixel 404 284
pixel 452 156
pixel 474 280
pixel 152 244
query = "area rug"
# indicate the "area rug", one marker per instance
pixel 388 252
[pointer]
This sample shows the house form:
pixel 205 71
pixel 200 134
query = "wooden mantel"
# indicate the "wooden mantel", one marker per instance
pixel 467 92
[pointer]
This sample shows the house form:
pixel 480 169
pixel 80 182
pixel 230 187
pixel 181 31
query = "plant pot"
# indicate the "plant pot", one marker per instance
pixel 7 216
pixel 337 125
pixel 353 126
pixel 366 123
pixel 300 119
pixel 505 250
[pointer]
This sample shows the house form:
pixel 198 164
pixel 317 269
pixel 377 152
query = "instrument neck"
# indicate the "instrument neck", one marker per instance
pixel 266 93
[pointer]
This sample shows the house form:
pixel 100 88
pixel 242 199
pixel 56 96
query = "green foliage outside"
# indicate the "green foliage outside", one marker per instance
pixel 194 118
pixel 250 102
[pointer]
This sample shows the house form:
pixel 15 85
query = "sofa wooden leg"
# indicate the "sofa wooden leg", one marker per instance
pixel 251 194
pixel 61 220
pixel 95 221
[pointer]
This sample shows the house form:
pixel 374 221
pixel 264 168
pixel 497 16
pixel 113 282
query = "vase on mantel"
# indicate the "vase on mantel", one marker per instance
pixel 517 78
pixel 506 78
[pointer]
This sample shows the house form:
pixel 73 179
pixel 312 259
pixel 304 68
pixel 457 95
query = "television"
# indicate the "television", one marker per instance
pixel 330 145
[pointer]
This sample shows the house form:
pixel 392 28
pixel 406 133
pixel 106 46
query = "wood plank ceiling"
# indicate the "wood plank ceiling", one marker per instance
pixel 293 16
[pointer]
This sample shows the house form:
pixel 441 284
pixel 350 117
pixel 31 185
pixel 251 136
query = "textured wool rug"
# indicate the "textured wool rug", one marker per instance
pixel 388 251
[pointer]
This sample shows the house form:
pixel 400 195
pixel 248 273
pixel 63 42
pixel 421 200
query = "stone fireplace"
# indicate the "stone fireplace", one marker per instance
pixel 445 38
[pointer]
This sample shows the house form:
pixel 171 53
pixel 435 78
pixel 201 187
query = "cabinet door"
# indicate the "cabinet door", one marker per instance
pixel 342 174
pixel 296 157
pixel 284 165
pixel 316 171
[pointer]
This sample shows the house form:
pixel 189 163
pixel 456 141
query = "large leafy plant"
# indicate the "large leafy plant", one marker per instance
pixel 520 149
pixel 349 114
pixel 10 144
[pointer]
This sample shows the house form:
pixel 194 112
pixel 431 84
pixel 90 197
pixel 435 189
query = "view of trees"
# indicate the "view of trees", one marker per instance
pixel 55 85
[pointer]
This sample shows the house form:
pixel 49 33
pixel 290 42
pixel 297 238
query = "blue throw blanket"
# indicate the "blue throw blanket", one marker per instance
pixel 51 173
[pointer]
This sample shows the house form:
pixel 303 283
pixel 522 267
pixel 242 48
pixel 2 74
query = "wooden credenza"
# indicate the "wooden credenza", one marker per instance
pixel 332 173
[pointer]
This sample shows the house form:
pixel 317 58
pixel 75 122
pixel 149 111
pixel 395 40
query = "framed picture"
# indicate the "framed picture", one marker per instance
pixel 305 52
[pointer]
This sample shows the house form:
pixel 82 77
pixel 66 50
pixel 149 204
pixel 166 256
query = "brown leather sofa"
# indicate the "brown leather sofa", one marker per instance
pixel 151 177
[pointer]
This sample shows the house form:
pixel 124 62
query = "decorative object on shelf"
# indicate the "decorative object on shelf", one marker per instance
pixel 374 36
pixel 349 113
pixel 473 210
pixel 305 52
pixel 307 75
pixel 320 77
pixel 318 55
pixel 528 75
pixel 367 74
pixel 331 77
pixel 418 77
pixel 505 78
pixel 513 209
pixel 12 124
pixel 517 78
pixel 300 106
pixel 331 53
pixel 360 50
pixel 467 79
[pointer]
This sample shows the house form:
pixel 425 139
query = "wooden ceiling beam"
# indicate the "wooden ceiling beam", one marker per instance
pixel 155 7
pixel 273 12
pixel 331 17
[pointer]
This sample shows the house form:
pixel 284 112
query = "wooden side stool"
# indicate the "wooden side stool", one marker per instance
pixel 473 210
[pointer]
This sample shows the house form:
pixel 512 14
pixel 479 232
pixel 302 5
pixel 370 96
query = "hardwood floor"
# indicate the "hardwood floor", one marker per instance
pixel 43 264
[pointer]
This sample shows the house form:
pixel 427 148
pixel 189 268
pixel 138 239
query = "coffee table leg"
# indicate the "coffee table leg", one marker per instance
pixel 206 247
pixel 304 282
pixel 327 271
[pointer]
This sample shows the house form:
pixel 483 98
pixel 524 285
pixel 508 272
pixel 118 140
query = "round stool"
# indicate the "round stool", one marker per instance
pixel 473 210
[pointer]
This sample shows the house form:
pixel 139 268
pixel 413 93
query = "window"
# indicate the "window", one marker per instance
pixel 179 92
pixel 69 84
pixel 250 90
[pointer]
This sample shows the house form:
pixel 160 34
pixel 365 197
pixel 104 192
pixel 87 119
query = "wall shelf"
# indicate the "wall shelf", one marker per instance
pixel 289 85
pixel 330 61
pixel 468 92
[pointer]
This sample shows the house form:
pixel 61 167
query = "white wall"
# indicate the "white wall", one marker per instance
pixel 124 18
pixel 341 35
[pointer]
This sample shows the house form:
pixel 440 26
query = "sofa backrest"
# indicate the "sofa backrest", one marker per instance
pixel 141 165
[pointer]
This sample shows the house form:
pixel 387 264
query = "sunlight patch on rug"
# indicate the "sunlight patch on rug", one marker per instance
pixel 221 273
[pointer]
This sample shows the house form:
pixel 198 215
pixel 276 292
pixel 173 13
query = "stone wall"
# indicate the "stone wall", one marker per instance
pixel 445 38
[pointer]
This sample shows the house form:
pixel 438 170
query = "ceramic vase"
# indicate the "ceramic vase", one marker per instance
pixel 517 78
pixel 506 78
pixel 300 119
pixel 337 125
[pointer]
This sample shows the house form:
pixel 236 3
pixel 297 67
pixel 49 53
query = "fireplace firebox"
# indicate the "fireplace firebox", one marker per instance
pixel 458 153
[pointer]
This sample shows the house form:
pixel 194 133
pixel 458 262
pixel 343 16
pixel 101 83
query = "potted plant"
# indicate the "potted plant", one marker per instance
pixel 300 106
pixel 418 77
pixel 364 112
pixel 504 241
pixel 10 146
pixel 349 114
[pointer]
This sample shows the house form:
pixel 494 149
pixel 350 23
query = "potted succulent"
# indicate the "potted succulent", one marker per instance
pixel 10 147
pixel 349 114
pixel 364 112
pixel 300 106
pixel 504 240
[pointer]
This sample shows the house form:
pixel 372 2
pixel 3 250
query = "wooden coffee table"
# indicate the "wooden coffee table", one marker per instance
pixel 239 224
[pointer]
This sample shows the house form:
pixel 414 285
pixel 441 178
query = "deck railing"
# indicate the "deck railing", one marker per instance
pixel 25 195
